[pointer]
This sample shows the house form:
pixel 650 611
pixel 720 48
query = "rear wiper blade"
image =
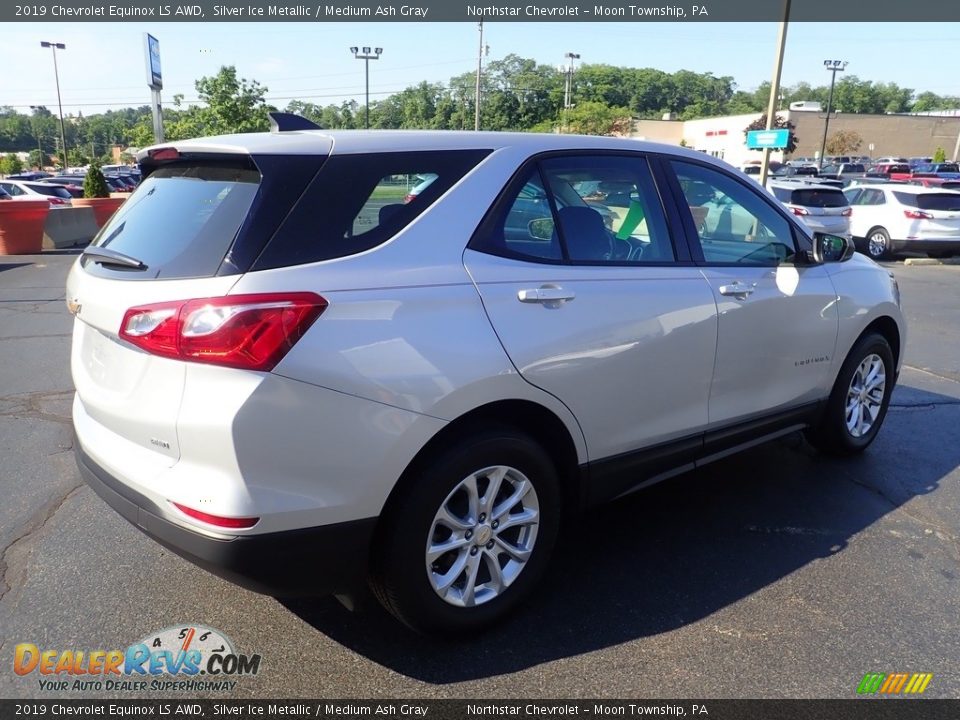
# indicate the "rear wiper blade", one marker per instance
pixel 106 256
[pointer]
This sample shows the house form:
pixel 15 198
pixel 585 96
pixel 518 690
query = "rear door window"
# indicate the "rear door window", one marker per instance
pixel 819 198
pixel 930 201
pixel 183 219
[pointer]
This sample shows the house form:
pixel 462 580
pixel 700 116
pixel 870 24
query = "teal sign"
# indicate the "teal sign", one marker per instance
pixel 773 139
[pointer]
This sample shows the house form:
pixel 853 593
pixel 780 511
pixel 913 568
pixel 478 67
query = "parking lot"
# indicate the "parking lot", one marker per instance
pixel 776 573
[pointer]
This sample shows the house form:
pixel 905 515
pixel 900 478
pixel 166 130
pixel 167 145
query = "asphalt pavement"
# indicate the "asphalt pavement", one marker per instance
pixel 776 573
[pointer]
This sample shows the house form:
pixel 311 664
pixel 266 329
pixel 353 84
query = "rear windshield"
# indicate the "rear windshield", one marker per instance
pixel 948 167
pixel 46 190
pixel 183 218
pixel 853 168
pixel 950 185
pixel 819 198
pixel 360 201
pixel 929 201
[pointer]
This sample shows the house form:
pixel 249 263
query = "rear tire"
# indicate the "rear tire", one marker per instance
pixel 878 244
pixel 859 400
pixel 493 499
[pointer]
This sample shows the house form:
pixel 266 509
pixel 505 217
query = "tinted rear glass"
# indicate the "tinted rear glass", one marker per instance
pixel 950 185
pixel 819 198
pixel 948 167
pixel 853 168
pixel 51 191
pixel 930 201
pixel 357 202
pixel 182 219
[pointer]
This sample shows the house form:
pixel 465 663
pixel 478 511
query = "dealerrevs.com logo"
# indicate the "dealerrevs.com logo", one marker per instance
pixel 188 658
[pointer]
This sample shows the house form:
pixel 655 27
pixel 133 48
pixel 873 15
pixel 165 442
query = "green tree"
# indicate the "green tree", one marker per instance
pixel 94 184
pixel 595 118
pixel 940 155
pixel 38 161
pixel 231 105
pixel 10 164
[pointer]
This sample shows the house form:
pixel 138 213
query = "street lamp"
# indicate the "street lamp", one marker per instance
pixel 366 56
pixel 568 88
pixel 63 136
pixel 833 66
pixel 36 129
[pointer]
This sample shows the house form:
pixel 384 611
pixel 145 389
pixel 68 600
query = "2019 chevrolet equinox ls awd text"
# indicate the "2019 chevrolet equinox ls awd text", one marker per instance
pixel 299 377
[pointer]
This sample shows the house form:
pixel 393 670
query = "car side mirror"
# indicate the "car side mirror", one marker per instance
pixel 541 228
pixel 832 248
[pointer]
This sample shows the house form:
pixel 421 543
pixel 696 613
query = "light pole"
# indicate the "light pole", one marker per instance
pixel 834 66
pixel 63 136
pixel 568 88
pixel 36 130
pixel 366 56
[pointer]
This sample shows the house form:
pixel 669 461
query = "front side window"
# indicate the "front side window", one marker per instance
pixel 733 223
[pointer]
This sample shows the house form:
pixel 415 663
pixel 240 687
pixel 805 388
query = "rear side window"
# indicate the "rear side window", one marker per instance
pixel 819 198
pixel 930 201
pixel 183 219
pixel 360 201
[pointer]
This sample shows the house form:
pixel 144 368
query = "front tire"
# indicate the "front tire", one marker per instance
pixel 859 400
pixel 469 535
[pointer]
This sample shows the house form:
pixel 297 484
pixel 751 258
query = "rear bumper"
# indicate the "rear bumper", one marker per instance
pixel 330 559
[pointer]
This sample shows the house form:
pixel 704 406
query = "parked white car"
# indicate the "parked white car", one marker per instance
pixel 894 218
pixel 294 379
pixel 822 208
pixel 35 190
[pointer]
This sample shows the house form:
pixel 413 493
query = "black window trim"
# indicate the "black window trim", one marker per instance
pixel 801 243
pixel 505 199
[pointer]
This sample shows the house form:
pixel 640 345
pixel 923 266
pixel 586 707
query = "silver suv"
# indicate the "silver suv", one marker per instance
pixel 293 377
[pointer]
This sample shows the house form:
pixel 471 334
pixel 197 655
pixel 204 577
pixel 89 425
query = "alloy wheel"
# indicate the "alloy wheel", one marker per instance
pixel 482 536
pixel 865 395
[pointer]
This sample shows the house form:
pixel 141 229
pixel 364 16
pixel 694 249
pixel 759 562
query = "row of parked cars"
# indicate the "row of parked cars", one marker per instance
pixel 882 216
pixel 59 190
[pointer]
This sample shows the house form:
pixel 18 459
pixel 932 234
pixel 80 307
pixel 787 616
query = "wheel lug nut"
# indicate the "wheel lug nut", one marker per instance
pixel 473 550
pixel 490 545
pixel 483 516
pixel 496 524
pixel 469 534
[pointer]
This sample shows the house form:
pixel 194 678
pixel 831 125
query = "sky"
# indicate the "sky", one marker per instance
pixel 103 64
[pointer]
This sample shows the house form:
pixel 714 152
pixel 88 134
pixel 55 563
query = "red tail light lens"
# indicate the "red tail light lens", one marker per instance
pixel 918 215
pixel 847 212
pixel 250 332
pixel 800 211
pixel 225 522
pixel 57 201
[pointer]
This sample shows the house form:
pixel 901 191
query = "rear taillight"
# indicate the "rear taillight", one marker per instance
pixel 917 215
pixel 250 332
pixel 800 211
pixel 233 523
pixel 57 201
pixel 846 212
pixel 409 198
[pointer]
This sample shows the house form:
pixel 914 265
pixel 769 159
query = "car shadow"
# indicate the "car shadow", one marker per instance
pixel 11 265
pixel 673 554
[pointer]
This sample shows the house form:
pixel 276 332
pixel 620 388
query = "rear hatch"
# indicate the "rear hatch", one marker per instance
pixel 194 225
pixel 824 208
pixel 935 214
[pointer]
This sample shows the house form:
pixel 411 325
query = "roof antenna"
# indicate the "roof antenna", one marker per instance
pixel 287 122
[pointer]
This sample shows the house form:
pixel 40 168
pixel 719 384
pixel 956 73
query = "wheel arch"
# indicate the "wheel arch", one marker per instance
pixel 525 416
pixel 888 328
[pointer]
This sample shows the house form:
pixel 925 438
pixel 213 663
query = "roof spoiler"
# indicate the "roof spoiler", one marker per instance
pixel 287 122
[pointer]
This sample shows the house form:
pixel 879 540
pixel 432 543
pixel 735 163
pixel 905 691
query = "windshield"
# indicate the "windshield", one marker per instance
pixel 930 201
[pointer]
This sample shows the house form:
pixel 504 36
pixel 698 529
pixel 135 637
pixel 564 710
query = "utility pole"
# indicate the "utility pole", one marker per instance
pixel 36 130
pixel 775 90
pixel 476 93
pixel 568 86
pixel 834 66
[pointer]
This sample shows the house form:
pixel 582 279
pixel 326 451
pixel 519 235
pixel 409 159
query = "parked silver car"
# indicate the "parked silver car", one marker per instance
pixel 293 378
pixel 822 208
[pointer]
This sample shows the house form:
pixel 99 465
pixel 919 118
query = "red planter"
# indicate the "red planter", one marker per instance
pixel 103 208
pixel 21 226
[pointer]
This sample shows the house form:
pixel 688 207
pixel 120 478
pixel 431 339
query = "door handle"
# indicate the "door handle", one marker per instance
pixel 546 295
pixel 738 290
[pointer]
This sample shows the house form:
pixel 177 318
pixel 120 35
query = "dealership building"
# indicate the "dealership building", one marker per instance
pixel 883 135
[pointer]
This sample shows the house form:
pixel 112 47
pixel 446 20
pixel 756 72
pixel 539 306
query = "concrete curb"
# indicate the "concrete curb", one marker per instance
pixel 932 261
